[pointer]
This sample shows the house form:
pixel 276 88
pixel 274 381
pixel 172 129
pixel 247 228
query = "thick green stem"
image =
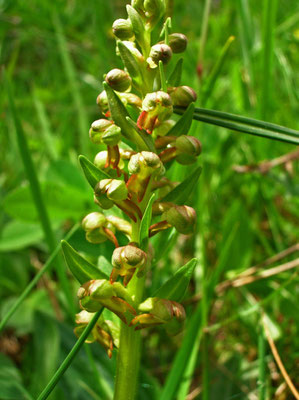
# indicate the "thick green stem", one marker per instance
pixel 129 353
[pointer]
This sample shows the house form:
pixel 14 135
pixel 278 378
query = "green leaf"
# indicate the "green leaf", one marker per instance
pixel 119 115
pixel 175 77
pixel 129 60
pixel 62 202
pixel 91 172
pixel 10 381
pixel 82 270
pixel 175 288
pixel 243 124
pixel 45 354
pixel 184 123
pixel 145 224
pixel 137 24
pixel 18 234
pixel 181 193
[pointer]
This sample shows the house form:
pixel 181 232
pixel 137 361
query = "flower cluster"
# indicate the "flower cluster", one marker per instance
pixel 142 141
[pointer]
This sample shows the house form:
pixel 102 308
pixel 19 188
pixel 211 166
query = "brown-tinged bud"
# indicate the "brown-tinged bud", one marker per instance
pixel 100 162
pixel 145 163
pixel 131 99
pixel 188 148
pixel 126 260
pixel 182 95
pixel 159 52
pixel 178 42
pixel 102 102
pixel 122 29
pixel 93 225
pixel 183 218
pixel 119 80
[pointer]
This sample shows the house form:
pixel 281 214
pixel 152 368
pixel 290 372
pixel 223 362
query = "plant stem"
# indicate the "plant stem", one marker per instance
pixel 129 353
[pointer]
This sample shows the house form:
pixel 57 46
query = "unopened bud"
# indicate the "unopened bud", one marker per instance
pixel 119 80
pixel 188 148
pixel 145 164
pixel 183 218
pixel 114 189
pixel 131 99
pixel 102 102
pixel 93 225
pixel 101 160
pixel 159 52
pixel 122 29
pixel 178 42
pixel 105 131
pixel 182 95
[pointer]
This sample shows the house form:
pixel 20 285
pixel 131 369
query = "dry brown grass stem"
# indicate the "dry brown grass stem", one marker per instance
pixel 279 362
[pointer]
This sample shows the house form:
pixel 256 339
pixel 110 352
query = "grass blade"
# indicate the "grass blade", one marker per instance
pixel 34 281
pixel 245 125
pixel 37 194
pixel 70 73
pixel 270 8
pixel 262 363
pixel 68 360
pixel 211 79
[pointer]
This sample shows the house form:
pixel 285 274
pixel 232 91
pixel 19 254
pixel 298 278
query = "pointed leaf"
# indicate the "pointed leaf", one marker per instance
pixel 82 270
pixel 91 172
pixel 129 60
pixel 137 24
pixel 175 288
pixel 181 193
pixel 183 124
pixel 175 77
pixel 145 224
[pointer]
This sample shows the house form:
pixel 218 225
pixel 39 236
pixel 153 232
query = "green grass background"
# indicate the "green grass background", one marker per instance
pixel 55 54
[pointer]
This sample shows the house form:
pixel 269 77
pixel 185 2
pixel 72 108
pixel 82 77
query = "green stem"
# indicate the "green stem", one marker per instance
pixel 129 353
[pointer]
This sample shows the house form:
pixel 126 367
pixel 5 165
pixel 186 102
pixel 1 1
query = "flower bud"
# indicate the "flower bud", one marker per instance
pixel 157 107
pixel 183 218
pixel 102 102
pixel 93 221
pixel 145 164
pixel 188 148
pixel 126 260
pixel 119 80
pixel 159 52
pixel 182 95
pixel 114 189
pixel 104 131
pixel 131 99
pixel 122 29
pixel 178 42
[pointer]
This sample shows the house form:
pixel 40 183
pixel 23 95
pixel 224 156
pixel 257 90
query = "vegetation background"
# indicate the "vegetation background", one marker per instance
pixel 55 54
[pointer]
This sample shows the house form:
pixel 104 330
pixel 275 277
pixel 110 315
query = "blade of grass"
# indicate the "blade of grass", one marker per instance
pixel 34 281
pixel 211 79
pixel 70 73
pixel 269 16
pixel 68 360
pixel 37 194
pixel 262 363
pixel 204 30
pixel 245 125
pixel 45 128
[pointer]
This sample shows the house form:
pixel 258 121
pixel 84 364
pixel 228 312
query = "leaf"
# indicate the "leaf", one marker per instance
pixel 45 354
pixel 10 381
pixel 145 224
pixel 91 172
pixel 175 77
pixel 62 202
pixel 243 124
pixel 181 193
pixel 18 234
pixel 82 270
pixel 119 115
pixel 66 173
pixel 137 24
pixel 129 60
pixel 184 123
pixel 175 288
